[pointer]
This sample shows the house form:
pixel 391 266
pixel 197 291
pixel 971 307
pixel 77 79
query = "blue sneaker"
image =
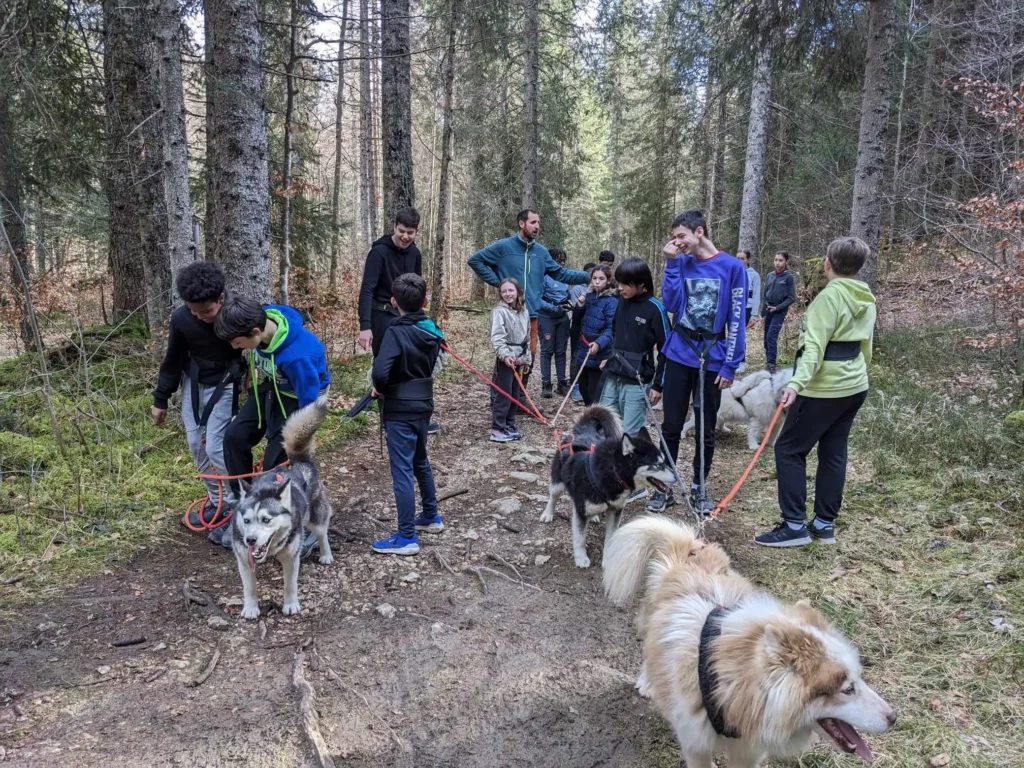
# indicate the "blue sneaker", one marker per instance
pixel 514 433
pixel 397 545
pixel 430 524
pixel 497 436
pixel 576 396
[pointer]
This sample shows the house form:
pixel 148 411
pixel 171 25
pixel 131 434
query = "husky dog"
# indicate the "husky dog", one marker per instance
pixel 751 400
pixel 599 468
pixel 276 507
pixel 730 668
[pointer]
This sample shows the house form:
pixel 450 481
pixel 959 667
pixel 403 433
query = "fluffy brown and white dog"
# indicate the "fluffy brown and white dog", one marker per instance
pixel 729 667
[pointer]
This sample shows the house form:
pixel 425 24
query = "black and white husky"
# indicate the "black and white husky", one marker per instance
pixel 276 507
pixel 600 468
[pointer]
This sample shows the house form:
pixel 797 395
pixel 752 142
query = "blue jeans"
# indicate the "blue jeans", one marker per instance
pixel 407 452
pixel 772 327
pixel 628 399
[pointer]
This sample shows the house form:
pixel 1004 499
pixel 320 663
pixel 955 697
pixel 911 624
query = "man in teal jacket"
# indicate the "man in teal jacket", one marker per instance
pixel 526 260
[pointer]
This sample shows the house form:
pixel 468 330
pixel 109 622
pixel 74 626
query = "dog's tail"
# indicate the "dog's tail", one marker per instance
pixel 602 420
pixel 300 428
pixel 629 556
pixel 740 387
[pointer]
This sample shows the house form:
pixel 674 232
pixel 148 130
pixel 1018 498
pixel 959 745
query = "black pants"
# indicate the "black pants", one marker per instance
pixel 575 329
pixel 682 384
pixel 503 410
pixel 773 322
pixel 554 336
pixel 248 428
pixel 591 381
pixel 380 321
pixel 811 421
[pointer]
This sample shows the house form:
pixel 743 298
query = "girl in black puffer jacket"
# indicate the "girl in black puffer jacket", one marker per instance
pixel 598 308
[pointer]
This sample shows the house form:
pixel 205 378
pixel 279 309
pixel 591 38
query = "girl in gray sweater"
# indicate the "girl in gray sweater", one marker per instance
pixel 510 337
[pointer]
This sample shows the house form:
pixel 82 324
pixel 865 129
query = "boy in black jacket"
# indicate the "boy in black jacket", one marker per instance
pixel 210 370
pixel 779 295
pixel 402 378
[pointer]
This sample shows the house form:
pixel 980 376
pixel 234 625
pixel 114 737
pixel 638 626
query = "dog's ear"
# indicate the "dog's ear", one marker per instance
pixel 245 487
pixel 284 492
pixel 627 445
pixel 643 435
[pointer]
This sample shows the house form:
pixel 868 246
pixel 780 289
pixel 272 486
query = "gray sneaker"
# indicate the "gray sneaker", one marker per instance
pixel 701 505
pixel 659 501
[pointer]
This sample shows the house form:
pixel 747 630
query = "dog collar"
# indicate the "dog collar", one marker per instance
pixel 592 474
pixel 708 678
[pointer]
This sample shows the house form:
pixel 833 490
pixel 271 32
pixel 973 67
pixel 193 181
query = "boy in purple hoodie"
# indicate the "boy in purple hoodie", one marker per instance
pixel 705 289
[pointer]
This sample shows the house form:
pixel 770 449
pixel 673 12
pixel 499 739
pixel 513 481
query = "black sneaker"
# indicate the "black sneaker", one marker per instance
pixel 545 389
pixel 433 429
pixel 563 387
pixel 826 534
pixel 784 536
pixel 659 501
pixel 208 513
pixel 701 505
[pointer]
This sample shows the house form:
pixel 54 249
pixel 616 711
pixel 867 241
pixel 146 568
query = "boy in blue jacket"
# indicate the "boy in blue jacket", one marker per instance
pixel 288 367
pixel 553 329
pixel 705 289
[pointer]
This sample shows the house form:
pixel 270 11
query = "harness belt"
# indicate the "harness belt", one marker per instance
pixel 708 678
pixel 834 350
pixel 232 375
pixel 414 389
pixel 690 336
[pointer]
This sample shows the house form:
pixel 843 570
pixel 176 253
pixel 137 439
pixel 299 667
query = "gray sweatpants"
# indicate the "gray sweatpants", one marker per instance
pixel 207 443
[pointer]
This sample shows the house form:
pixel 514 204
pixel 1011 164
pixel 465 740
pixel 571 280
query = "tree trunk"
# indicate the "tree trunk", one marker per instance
pixel 181 244
pixel 865 218
pixel 212 223
pixel 339 111
pixel 437 298
pixel 241 241
pixel 368 162
pixel 757 150
pixel 531 26
pixel 137 227
pixel 286 183
pixel 396 108
pixel 13 240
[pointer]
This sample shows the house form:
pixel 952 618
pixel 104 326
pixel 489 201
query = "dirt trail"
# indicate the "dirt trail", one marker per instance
pixel 514 677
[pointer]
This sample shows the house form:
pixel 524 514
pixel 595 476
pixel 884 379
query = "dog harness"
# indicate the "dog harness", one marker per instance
pixel 708 678
pixel 232 376
pixel 834 350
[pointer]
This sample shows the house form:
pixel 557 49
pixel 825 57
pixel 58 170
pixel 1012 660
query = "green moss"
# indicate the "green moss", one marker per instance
pixel 23 454
pixel 1013 426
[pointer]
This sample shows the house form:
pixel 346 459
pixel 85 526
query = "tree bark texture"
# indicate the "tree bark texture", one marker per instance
pixel 866 215
pixel 339 138
pixel 437 297
pixel 531 36
pixel 137 226
pixel 396 108
pixel 240 239
pixel 757 150
pixel 369 160
pixel 286 182
pixel 12 214
pixel 178 202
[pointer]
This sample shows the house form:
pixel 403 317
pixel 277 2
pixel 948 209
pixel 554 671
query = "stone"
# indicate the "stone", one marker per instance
pixel 507 506
pixel 387 610
pixel 526 477
pixel 541 559
pixel 411 577
pixel 104 670
pixel 218 622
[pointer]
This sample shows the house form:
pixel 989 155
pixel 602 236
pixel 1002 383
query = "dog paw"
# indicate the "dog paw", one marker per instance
pixel 326 559
pixel 289 609
pixel 251 611
pixel 582 562
pixel 547 516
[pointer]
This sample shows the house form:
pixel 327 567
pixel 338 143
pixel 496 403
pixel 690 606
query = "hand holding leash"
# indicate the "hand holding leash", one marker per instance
pixel 788 396
pixel 723 383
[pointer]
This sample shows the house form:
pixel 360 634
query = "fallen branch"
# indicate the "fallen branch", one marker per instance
pixel 307 712
pixel 263 629
pixel 156 675
pixel 479 570
pixel 482 582
pixel 511 527
pixel 123 642
pixel 471 310
pixel 506 563
pixel 197 596
pixel 205 675
pixel 452 494
pixel 444 563
pixel 331 674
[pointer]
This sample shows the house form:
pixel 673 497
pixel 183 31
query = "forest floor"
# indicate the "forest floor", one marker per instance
pixel 537 669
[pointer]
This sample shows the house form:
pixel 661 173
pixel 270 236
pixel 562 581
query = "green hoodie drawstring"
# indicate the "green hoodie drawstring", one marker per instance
pixel 255 388
pixel 277 392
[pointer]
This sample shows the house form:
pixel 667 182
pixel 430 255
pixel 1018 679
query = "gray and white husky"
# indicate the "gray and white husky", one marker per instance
pixel 600 468
pixel 275 508
pixel 751 400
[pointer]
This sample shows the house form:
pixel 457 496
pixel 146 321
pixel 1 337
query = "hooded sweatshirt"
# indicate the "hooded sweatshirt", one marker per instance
pixel 294 361
pixel 409 352
pixel 527 262
pixel 384 263
pixel 510 335
pixel 779 291
pixel 843 311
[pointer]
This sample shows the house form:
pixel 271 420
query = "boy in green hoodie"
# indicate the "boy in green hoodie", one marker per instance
pixel 829 385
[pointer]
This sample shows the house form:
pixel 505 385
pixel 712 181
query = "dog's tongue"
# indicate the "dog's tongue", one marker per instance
pixel 252 557
pixel 851 735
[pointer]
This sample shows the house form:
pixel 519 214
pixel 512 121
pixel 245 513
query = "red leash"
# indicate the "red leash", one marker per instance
pixel 494 386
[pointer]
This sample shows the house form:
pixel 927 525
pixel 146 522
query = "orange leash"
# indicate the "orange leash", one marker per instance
pixel 217 520
pixel 746 473
pixel 536 411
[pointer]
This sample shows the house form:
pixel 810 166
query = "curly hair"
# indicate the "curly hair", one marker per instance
pixel 200 282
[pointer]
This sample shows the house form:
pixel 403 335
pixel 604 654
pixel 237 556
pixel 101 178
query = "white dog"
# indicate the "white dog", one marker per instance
pixel 730 668
pixel 751 400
